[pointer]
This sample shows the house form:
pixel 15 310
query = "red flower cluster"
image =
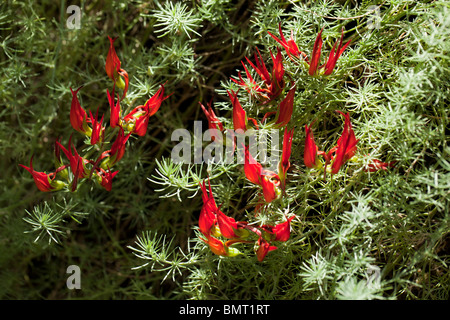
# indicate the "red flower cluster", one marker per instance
pixel 269 181
pixel 344 150
pixel 272 90
pixel 99 169
pixel 215 225
pixel 338 155
pixel 273 83
pixel 314 63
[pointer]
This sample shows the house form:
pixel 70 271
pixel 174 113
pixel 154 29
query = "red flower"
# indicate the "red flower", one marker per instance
pixel 277 74
pixel 260 68
pixel 222 249
pixel 376 165
pixel 284 164
pixel 154 103
pixel 106 178
pixel 112 65
pixel 115 110
pixel 78 116
pixel 215 124
pixel 274 82
pixel 137 120
pixel 334 55
pixel 279 232
pixel 239 114
pixel 216 246
pixel 346 145
pixel 207 219
pixel 252 168
pixel 253 85
pixel 328 67
pixel 98 131
pixel 315 57
pixel 118 148
pixel 338 155
pixel 113 69
pixel 213 121
pixel 44 182
pixel 212 220
pixel 227 225
pixel 208 198
pixel 282 230
pixel 269 184
pixel 285 109
pixel 290 46
pixel 310 156
pixel 264 248
pixel 77 163
pixel 211 217
pixel 254 172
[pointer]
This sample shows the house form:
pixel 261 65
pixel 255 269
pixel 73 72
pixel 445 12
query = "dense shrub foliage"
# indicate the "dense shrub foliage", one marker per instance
pixel 359 209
